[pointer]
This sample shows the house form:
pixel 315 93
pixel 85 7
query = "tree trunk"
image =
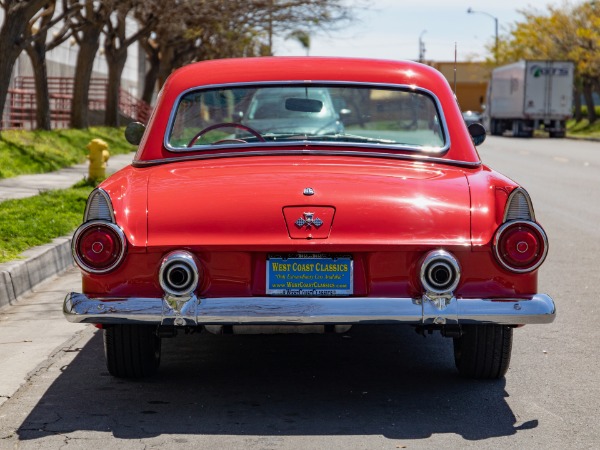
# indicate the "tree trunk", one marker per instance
pixel 7 62
pixel 9 51
pixel 116 64
pixel 16 19
pixel 150 83
pixel 577 114
pixel 151 76
pixel 166 65
pixel 37 55
pixel 83 74
pixel 589 101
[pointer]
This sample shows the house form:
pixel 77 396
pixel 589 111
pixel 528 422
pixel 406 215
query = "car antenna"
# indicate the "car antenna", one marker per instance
pixel 455 56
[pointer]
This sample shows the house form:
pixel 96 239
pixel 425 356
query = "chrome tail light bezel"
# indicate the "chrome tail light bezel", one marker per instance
pixel 76 246
pixel 542 242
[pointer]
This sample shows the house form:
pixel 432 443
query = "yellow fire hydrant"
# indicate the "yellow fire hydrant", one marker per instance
pixel 98 156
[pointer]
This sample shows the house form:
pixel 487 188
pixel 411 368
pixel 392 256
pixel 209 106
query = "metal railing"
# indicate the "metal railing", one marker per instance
pixel 21 102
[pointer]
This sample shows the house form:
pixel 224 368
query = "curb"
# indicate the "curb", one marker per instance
pixel 38 264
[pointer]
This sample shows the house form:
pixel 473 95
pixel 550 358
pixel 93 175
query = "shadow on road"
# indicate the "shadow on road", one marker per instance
pixel 382 380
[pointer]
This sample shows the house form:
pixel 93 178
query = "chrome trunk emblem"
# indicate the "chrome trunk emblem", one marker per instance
pixel 309 191
pixel 308 220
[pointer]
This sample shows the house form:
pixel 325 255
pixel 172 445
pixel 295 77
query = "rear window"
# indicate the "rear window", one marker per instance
pixel 402 118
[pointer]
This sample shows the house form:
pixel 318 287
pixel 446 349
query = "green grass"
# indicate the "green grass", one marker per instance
pixel 32 221
pixel 28 222
pixel 29 152
pixel 583 129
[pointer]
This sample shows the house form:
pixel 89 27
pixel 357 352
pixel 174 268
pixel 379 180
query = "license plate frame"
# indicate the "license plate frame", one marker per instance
pixel 310 275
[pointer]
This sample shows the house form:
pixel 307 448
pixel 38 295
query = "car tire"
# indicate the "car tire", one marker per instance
pixel 496 127
pixel 483 351
pixel 132 351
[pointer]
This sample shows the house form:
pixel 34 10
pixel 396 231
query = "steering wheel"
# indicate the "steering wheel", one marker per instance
pixel 223 125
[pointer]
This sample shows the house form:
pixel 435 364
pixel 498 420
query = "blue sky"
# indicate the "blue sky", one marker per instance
pixel 391 29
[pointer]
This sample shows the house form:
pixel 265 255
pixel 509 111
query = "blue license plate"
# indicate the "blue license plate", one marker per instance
pixel 309 276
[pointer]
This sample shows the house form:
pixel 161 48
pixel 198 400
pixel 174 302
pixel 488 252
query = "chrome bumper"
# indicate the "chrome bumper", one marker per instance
pixel 300 310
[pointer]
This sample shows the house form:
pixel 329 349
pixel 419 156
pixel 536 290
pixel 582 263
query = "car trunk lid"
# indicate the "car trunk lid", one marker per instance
pixel 274 202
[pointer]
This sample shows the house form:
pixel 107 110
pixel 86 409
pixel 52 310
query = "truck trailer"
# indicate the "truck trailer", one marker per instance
pixel 529 95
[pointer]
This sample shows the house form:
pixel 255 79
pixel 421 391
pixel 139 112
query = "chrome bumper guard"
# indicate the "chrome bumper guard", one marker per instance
pixel 301 310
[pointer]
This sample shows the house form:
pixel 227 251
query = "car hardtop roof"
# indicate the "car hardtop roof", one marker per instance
pixel 308 69
pixel 283 69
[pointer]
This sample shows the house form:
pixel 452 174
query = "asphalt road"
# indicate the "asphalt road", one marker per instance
pixel 372 388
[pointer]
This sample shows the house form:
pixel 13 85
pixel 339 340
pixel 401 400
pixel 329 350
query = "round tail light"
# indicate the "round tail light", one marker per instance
pixel 520 246
pixel 98 246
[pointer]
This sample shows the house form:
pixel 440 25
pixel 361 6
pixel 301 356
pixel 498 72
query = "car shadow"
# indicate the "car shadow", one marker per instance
pixel 373 380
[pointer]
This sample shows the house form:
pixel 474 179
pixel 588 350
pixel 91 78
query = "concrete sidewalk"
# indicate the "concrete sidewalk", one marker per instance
pixel 40 263
pixel 30 185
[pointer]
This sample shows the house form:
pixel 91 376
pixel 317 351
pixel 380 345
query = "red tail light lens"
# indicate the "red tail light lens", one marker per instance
pixel 98 246
pixel 521 246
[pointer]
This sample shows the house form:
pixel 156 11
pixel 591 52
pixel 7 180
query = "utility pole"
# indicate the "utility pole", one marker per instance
pixel 422 47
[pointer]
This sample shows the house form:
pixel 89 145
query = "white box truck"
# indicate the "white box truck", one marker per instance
pixel 530 95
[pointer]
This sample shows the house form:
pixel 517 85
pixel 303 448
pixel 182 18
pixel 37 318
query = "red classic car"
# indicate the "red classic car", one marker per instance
pixel 276 194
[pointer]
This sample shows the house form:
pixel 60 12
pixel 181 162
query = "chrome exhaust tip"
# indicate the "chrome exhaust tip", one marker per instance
pixel 440 273
pixel 178 275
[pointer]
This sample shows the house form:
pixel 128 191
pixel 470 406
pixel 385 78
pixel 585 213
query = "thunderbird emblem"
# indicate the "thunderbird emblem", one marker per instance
pixel 308 220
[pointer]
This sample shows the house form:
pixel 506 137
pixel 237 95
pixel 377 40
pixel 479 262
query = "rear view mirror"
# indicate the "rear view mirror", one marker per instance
pixel 478 133
pixel 303 105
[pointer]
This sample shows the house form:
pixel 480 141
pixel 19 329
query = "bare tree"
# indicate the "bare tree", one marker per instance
pixel 37 47
pixel 182 32
pixel 303 16
pixel 87 24
pixel 116 44
pixel 168 42
pixel 17 16
pixel 210 29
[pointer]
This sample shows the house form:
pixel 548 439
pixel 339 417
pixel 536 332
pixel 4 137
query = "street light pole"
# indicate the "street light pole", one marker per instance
pixel 471 11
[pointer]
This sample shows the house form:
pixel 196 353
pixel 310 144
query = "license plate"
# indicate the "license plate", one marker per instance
pixel 309 276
